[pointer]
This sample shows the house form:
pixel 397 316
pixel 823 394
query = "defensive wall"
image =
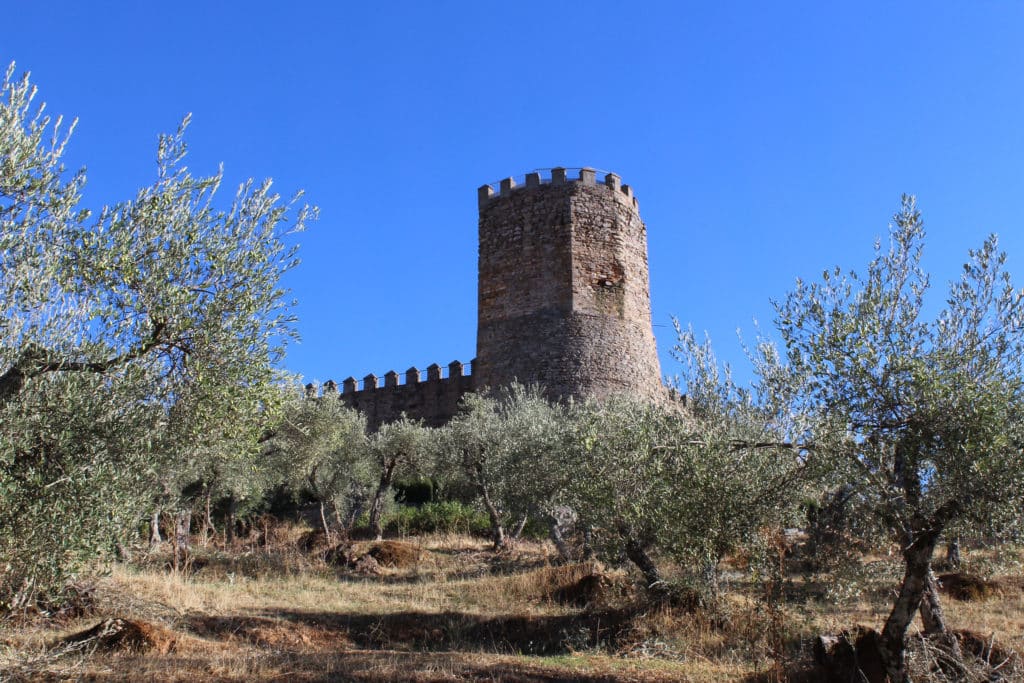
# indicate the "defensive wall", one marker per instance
pixel 434 399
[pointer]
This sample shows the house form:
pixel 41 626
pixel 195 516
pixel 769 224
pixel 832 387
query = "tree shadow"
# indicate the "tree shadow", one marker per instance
pixel 380 666
pixel 435 632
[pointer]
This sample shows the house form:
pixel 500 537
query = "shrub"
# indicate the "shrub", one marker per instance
pixel 450 517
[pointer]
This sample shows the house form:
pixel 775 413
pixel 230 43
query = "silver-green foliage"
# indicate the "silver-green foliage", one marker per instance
pixel 321 447
pixel 922 414
pixel 108 320
pixel 538 435
pixel 397 449
pixel 690 484
pixel 510 446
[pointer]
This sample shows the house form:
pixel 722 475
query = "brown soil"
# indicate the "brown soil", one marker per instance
pixel 969 587
pixel 395 554
pixel 112 635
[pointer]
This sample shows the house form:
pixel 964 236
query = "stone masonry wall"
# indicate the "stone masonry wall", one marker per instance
pixel 434 400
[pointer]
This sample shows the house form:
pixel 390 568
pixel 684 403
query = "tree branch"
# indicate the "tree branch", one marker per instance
pixel 36 360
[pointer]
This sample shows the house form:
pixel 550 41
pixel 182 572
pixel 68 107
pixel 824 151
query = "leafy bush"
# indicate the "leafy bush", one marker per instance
pixel 415 491
pixel 450 517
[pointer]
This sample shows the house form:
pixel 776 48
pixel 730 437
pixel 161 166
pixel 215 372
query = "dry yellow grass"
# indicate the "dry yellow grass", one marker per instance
pixel 461 613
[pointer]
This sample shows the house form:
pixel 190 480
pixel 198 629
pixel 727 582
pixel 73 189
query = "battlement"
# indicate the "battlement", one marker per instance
pixel 372 382
pixel 433 400
pixel 557 176
pixel 563 289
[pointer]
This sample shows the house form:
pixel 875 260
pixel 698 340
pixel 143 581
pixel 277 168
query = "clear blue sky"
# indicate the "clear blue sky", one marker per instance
pixel 765 141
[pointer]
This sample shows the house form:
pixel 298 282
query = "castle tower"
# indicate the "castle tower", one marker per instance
pixel 564 298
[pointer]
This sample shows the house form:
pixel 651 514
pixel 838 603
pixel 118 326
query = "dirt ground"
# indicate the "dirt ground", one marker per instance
pixel 448 609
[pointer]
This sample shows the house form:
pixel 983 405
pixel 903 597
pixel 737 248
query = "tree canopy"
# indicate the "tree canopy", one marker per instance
pixel 922 414
pixel 157 317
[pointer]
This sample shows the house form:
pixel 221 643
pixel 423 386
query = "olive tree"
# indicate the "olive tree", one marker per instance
pixel 509 444
pixel 105 319
pixel 694 477
pixel 924 412
pixel 618 480
pixel 472 445
pixel 211 452
pixel 529 476
pixel 322 446
pixel 400 448
pixel 692 483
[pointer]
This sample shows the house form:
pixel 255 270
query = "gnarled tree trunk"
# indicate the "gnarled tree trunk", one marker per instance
pixel 229 524
pixel 637 554
pixel 182 527
pixel 555 527
pixel 377 506
pixel 918 592
pixel 517 532
pixel 208 527
pixel 323 520
pixel 493 515
pixel 953 552
pixel 497 528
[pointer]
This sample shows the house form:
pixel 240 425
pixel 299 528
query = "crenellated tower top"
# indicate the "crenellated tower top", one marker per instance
pixel 557 176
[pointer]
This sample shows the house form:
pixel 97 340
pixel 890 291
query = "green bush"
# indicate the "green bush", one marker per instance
pixel 444 517
pixel 417 491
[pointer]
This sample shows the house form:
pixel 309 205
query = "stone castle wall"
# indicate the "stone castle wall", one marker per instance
pixel 434 399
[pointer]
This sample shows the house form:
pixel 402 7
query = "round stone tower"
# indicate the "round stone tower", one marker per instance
pixel 564 299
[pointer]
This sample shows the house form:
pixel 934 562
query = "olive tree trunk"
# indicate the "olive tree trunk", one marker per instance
pixel 323 520
pixel 229 524
pixel 953 558
pixel 497 528
pixel 377 506
pixel 182 527
pixel 208 527
pixel 918 592
pixel 637 554
pixel 493 514
pixel 555 528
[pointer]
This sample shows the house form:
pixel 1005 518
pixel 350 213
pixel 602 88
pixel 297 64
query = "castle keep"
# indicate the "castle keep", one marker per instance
pixel 564 302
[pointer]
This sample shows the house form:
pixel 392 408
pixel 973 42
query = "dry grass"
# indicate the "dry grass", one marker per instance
pixel 454 612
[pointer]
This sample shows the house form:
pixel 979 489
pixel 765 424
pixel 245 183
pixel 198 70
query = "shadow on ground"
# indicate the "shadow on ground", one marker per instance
pixel 432 632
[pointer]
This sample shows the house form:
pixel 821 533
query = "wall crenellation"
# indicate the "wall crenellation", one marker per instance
pixel 557 176
pixel 433 399
pixel 371 382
